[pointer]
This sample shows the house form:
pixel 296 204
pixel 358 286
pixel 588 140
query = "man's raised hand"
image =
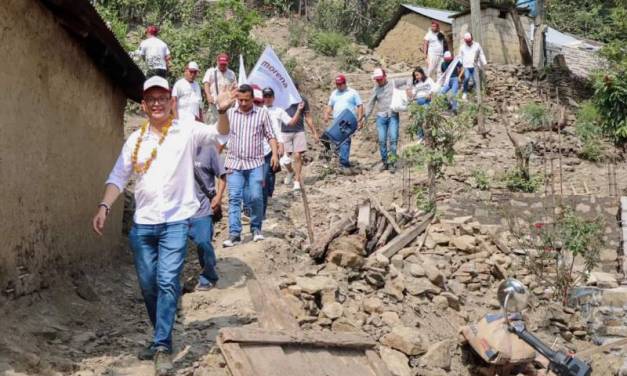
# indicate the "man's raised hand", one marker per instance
pixel 226 99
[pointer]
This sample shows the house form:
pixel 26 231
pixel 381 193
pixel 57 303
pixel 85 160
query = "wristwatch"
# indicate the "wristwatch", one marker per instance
pixel 106 206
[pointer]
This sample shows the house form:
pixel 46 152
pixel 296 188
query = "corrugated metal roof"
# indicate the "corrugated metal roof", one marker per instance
pixel 435 14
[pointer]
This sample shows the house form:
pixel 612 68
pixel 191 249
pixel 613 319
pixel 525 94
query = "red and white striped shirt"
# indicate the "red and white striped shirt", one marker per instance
pixel 248 129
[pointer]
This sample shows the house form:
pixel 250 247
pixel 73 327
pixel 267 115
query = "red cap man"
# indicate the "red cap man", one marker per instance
pixel 223 62
pixel 435 26
pixel 152 30
pixel 340 80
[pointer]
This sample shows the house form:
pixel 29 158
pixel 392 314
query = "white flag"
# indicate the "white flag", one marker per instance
pixel 241 79
pixel 270 72
pixel 446 77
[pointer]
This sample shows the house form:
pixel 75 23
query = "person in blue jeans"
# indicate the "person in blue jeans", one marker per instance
pixel 452 85
pixel 207 167
pixel 160 156
pixel 472 56
pixel 344 98
pixel 249 125
pixel 387 120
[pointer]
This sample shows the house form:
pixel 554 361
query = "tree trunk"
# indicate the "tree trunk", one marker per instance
pixel 525 53
pixel 431 168
pixel 475 22
pixel 538 36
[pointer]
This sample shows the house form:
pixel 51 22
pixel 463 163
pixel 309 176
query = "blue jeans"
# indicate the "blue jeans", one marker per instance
pixel 159 253
pixel 469 74
pixel 387 126
pixel 345 152
pixel 423 101
pixel 453 87
pixel 245 184
pixel 268 182
pixel 201 233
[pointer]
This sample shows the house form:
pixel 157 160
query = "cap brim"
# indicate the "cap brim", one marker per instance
pixel 156 85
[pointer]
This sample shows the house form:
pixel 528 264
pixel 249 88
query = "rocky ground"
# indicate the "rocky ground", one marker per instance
pixel 412 303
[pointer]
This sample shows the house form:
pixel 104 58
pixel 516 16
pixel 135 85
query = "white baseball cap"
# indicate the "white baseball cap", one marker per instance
pixel 378 74
pixel 192 65
pixel 156 81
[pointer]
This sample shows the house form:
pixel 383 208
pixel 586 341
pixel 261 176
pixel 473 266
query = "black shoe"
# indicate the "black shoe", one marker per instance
pixel 384 166
pixel 147 353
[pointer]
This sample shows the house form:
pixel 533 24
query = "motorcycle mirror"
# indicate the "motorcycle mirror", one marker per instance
pixel 512 295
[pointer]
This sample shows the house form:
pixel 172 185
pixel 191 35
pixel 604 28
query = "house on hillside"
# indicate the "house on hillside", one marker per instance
pixel 402 38
pixel 66 81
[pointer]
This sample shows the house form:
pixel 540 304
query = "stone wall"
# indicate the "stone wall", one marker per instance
pixel 404 42
pixel 500 209
pixel 62 124
pixel 500 41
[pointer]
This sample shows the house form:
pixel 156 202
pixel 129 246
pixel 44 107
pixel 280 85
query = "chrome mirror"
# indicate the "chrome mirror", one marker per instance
pixel 512 295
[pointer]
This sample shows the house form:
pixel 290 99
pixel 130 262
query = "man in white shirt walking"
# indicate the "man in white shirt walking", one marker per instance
pixel 218 79
pixel 160 155
pixel 472 56
pixel 155 52
pixel 433 47
pixel 187 95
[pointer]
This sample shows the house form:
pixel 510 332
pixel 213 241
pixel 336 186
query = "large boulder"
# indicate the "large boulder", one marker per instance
pixel 419 286
pixel 438 356
pixel 396 362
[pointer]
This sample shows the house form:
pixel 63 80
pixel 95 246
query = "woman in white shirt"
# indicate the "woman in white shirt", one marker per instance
pixel 423 87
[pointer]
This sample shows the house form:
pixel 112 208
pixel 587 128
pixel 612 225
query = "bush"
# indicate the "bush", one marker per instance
pixel 329 43
pixel 297 33
pixel 481 180
pixel 588 129
pixel 610 98
pixel 349 59
pixel 536 115
pixel 516 181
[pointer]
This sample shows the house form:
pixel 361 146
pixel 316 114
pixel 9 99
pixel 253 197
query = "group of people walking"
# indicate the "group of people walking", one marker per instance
pixel 184 159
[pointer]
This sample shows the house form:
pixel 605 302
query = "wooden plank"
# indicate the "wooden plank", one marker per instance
pixel 387 214
pixel 386 234
pixel 272 310
pixel 284 337
pixel 595 350
pixel 377 364
pixel 403 239
pixel 319 249
pixel 303 194
pixel 269 360
pixel 238 362
pixel 363 218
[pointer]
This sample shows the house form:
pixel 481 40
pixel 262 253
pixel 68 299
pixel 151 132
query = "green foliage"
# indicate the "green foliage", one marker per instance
pixel 329 43
pixel 610 98
pixel 349 59
pixel 279 7
pixel 481 180
pixel 143 12
pixel 588 129
pixel 298 33
pixel 118 26
pixel 537 115
pixel 517 181
pixel 422 200
pixel 582 237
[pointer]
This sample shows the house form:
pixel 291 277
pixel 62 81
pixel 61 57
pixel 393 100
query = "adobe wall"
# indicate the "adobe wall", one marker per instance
pixel 500 41
pixel 60 133
pixel 404 41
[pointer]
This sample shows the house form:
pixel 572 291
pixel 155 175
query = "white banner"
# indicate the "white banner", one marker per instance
pixel 241 78
pixel 270 72
pixel 446 77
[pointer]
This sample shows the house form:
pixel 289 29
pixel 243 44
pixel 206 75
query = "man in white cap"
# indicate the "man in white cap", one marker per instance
pixel 472 56
pixel 387 120
pixel 187 95
pixel 160 156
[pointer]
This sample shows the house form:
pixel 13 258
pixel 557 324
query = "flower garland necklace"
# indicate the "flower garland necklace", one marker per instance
pixel 142 169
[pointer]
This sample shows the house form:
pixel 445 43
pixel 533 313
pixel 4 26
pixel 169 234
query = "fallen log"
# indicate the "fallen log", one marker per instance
pixel 372 244
pixel 385 236
pixel 404 238
pixel 364 218
pixel 319 249
pixel 377 205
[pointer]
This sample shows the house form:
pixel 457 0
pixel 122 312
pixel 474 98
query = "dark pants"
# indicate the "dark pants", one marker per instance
pixel 157 72
pixel 201 233
pixel 269 178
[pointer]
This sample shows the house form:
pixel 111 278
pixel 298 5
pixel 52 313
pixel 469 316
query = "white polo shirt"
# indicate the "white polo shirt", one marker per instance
pixel 166 192
pixel 188 98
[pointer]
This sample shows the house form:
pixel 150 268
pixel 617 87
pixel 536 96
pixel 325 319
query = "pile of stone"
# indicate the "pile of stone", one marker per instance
pixel 414 301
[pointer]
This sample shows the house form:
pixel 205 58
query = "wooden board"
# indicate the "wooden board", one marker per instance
pixel 279 347
pixel 401 240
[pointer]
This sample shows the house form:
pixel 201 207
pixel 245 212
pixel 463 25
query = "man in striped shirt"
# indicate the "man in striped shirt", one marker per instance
pixel 244 162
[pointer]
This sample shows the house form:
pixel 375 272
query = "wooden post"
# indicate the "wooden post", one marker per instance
pixel 307 213
pixel 538 36
pixel 475 21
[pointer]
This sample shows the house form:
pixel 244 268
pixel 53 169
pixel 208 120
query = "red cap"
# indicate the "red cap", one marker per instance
pixel 436 23
pixel 340 79
pixel 223 59
pixel 152 30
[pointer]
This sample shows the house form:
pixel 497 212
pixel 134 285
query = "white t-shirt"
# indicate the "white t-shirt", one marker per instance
pixel 278 116
pixel 472 54
pixel 423 89
pixel 188 98
pixel 154 51
pixel 436 47
pixel 226 78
